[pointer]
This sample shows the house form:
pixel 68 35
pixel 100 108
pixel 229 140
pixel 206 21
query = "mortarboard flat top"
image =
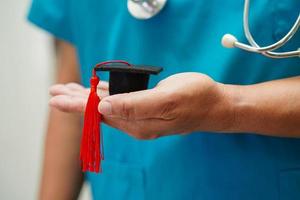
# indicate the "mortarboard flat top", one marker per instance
pixel 140 69
pixel 124 77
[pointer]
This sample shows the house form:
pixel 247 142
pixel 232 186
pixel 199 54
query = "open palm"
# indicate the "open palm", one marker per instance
pixel 72 97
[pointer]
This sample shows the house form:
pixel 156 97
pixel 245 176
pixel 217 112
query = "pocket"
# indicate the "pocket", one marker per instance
pixel 118 181
pixel 289 184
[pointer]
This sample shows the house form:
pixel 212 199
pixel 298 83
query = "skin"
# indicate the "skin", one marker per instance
pixel 188 102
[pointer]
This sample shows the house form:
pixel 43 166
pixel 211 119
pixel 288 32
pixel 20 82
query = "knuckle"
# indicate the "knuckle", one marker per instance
pixel 81 107
pixel 65 107
pixel 70 105
pixel 127 110
pixel 169 107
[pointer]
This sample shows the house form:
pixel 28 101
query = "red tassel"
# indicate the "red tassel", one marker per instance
pixel 90 153
pixel 91 150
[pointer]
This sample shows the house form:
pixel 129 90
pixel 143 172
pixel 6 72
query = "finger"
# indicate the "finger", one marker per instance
pixel 70 88
pixel 102 93
pixel 145 104
pixel 68 103
pixel 60 89
pixel 142 129
pixel 72 103
pixel 74 86
pixel 103 85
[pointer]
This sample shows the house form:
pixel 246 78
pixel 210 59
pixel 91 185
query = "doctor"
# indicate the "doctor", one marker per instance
pixel 232 118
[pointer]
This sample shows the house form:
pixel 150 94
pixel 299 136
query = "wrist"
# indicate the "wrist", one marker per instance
pixel 237 107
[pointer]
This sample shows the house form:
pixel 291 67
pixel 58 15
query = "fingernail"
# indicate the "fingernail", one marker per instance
pixel 105 108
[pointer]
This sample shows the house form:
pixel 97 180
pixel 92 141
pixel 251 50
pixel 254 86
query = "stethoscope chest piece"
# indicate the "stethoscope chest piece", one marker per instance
pixel 145 9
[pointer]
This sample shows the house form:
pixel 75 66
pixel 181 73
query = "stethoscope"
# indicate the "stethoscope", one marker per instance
pixel 145 9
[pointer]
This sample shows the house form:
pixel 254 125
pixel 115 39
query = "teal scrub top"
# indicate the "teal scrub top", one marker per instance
pixel 185 37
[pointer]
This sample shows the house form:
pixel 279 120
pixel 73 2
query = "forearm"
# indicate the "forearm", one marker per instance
pixel 270 108
pixel 62 177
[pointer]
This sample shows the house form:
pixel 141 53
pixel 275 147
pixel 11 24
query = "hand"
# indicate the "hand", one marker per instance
pixel 72 97
pixel 182 103
pixel 186 102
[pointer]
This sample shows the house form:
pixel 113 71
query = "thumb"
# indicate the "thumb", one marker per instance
pixel 144 104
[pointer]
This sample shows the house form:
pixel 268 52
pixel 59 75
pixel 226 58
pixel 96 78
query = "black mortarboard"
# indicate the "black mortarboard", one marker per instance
pixel 124 77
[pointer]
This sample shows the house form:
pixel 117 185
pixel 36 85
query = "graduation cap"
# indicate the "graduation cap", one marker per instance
pixel 123 78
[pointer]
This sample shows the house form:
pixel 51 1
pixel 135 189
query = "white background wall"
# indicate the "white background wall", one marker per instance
pixel 26 72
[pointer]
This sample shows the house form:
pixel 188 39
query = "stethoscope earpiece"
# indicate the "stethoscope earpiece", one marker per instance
pixel 228 41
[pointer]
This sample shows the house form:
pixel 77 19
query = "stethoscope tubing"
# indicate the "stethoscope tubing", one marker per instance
pixel 152 7
pixel 267 50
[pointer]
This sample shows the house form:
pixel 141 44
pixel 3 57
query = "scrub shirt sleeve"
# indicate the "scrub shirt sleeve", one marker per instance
pixel 52 16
